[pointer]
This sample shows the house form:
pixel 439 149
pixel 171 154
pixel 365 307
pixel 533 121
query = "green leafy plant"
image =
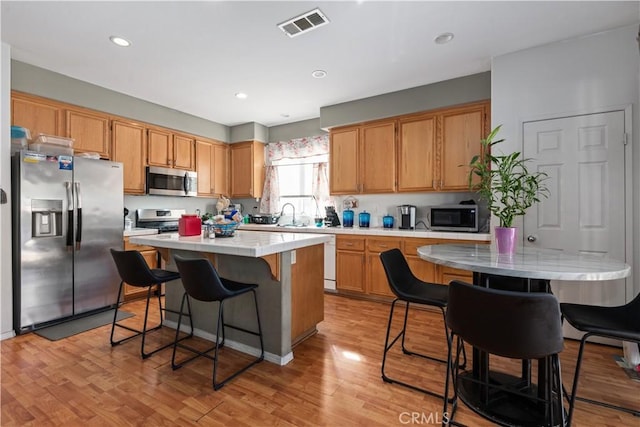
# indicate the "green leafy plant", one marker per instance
pixel 504 181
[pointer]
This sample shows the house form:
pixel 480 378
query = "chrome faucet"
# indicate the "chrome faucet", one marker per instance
pixel 293 219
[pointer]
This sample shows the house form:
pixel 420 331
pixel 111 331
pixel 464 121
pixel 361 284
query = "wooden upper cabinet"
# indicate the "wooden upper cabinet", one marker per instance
pixel 184 152
pixel 462 130
pixel 90 131
pixel 204 167
pixel 343 158
pixel 417 154
pixel 169 150
pixel 37 115
pixel 362 159
pixel 220 174
pixel 247 169
pixel 159 147
pixel 129 146
pixel 378 158
pixel 212 165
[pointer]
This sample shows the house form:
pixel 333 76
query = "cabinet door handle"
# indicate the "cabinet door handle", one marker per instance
pixel 383 246
pixel 349 244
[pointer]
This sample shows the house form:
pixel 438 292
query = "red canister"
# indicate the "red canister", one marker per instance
pixel 189 225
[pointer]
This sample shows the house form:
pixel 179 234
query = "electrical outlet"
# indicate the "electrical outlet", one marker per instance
pixel 293 257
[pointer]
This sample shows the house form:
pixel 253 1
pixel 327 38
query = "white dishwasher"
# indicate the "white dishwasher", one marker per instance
pixel 330 264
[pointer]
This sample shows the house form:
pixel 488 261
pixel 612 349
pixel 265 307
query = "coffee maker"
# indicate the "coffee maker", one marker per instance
pixel 407 214
pixel 331 217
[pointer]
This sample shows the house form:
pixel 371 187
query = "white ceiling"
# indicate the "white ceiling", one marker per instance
pixel 194 56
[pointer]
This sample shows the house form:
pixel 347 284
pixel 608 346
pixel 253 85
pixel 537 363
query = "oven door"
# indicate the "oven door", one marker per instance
pixel 171 182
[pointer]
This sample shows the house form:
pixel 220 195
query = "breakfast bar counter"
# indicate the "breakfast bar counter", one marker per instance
pixel 288 268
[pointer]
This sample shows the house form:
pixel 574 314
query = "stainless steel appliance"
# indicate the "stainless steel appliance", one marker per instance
pixel 163 220
pixel 67 214
pixel 263 218
pixel 454 218
pixel 331 217
pixel 171 182
pixel 407 217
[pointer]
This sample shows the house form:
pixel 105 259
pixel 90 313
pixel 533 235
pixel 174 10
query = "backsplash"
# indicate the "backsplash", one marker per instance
pixel 378 205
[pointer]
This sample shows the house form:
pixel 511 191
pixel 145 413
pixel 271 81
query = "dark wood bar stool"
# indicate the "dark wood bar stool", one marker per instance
pixel 202 283
pixel 514 325
pixel 409 289
pixel 133 270
pixel 621 323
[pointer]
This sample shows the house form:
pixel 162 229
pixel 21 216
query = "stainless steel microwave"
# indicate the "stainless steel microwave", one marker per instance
pixel 462 218
pixel 171 182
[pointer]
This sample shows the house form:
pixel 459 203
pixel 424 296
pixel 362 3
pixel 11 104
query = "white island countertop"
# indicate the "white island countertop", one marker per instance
pixel 527 262
pixel 242 243
pixel 371 231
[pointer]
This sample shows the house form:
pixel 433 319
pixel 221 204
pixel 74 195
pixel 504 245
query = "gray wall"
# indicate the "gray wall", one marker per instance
pixel 577 76
pixel 6 304
pixel 295 130
pixel 475 87
pixel 249 131
pixel 38 81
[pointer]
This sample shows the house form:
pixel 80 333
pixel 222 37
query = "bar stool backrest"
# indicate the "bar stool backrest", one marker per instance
pixel 133 269
pixel 516 325
pixel 398 272
pixel 200 279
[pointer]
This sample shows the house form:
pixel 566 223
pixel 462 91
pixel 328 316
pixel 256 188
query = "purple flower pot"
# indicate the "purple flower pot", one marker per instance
pixel 506 240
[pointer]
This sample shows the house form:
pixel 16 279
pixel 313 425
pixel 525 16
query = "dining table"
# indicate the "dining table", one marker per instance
pixel 529 269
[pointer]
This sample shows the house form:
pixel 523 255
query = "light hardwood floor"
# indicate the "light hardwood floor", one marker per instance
pixel 334 380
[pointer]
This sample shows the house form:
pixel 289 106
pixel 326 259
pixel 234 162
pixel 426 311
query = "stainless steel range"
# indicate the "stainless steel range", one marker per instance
pixel 163 220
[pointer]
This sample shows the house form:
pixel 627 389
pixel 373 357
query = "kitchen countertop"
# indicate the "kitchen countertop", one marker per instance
pixel 242 243
pixel 373 231
pixel 139 232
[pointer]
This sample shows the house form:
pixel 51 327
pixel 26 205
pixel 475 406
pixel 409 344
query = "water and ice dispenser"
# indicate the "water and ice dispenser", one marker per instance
pixel 46 218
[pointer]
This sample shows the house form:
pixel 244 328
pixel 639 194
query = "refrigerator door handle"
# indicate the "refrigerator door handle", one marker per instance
pixel 67 184
pixel 79 216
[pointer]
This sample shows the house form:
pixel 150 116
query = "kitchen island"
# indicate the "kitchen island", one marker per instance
pixel 288 268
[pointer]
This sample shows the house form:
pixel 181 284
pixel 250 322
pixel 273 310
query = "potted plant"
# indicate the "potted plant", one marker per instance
pixel 505 183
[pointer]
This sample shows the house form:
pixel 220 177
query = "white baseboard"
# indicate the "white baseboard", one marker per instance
pixel 7 335
pixel 269 357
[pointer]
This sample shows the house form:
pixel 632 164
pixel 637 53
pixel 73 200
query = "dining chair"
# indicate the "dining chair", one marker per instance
pixel 514 325
pixel 620 323
pixel 134 271
pixel 202 283
pixel 409 289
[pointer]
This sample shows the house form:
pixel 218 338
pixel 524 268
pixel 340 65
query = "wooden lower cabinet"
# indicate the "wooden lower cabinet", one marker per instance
pixel 447 274
pixel 359 270
pixel 350 264
pixel 377 283
pixel 151 256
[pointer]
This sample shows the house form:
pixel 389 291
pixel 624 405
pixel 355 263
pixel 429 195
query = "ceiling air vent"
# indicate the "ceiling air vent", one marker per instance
pixel 304 23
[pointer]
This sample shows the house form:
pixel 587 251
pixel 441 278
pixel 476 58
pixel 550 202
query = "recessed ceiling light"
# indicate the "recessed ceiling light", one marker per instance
pixel 319 74
pixel 443 38
pixel 120 41
pixel 241 95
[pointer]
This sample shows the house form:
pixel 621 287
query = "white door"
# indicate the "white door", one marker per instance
pixel 583 157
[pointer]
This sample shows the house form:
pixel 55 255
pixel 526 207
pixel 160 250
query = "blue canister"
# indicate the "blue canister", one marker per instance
pixel 347 218
pixel 387 221
pixel 363 219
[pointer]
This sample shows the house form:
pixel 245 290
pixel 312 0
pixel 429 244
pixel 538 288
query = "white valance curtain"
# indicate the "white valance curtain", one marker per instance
pixel 299 148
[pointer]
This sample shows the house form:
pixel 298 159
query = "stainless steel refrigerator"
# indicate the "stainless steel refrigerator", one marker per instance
pixel 67 214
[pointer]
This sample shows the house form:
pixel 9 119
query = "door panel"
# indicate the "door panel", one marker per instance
pixel 45 264
pixel 585 211
pixel 95 276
